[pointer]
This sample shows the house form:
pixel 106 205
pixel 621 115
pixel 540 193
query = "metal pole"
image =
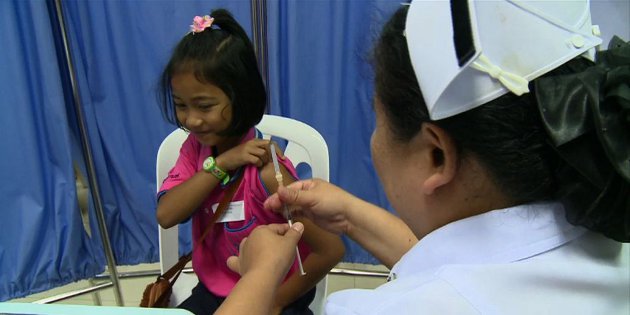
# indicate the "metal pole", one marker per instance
pixel 69 295
pixel 259 34
pixel 87 152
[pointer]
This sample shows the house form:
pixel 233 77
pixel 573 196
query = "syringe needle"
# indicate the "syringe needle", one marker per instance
pixel 297 250
pixel 287 213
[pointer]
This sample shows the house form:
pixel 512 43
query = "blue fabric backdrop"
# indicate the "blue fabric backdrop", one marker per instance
pixel 119 55
pixel 42 240
pixel 319 73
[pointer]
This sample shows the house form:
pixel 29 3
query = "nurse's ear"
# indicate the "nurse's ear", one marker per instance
pixel 443 157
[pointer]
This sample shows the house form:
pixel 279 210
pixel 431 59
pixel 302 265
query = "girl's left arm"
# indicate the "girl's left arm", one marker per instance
pixel 327 250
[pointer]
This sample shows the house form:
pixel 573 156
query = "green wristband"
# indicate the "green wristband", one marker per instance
pixel 210 166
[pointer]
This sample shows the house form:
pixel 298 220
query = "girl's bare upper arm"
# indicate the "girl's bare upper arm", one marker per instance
pixel 268 175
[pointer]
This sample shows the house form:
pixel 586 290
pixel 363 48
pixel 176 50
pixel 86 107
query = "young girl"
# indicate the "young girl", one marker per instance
pixel 212 87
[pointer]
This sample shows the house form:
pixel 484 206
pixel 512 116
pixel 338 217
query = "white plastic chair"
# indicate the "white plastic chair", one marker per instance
pixel 304 145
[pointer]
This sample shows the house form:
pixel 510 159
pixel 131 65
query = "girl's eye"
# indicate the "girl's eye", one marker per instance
pixel 180 106
pixel 205 107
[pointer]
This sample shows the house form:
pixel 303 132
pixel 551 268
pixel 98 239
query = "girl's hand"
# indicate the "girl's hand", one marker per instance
pixel 255 151
pixel 322 202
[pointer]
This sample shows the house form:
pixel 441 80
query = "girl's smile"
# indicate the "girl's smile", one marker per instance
pixel 203 108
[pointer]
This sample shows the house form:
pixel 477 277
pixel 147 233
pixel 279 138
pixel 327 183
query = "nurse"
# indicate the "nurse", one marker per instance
pixel 503 147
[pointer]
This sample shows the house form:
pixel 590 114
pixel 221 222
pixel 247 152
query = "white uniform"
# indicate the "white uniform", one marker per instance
pixel 521 260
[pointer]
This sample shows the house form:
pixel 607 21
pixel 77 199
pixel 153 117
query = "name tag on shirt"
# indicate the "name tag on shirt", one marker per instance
pixel 234 212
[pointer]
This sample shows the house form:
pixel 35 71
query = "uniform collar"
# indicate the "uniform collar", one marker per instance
pixel 251 134
pixel 498 236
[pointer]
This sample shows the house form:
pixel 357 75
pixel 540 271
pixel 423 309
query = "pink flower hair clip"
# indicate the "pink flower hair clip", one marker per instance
pixel 201 23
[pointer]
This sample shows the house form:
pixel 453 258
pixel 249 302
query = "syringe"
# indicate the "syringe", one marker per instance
pixel 287 213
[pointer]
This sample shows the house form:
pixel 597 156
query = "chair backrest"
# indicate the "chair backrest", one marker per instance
pixel 304 145
pixel 166 157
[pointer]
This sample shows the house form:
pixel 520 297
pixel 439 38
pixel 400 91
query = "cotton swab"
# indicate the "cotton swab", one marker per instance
pixel 287 213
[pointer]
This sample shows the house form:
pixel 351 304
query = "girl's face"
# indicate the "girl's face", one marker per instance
pixel 202 108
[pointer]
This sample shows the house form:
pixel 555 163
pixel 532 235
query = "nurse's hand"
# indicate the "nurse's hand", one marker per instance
pixel 380 232
pixel 264 260
pixel 320 201
pixel 269 251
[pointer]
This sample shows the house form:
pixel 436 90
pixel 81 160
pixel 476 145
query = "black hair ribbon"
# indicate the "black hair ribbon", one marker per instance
pixel 587 116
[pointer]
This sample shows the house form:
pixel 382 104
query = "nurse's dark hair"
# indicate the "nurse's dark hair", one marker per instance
pixel 223 56
pixel 506 135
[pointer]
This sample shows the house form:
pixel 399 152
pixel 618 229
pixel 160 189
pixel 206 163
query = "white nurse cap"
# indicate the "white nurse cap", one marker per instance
pixel 466 53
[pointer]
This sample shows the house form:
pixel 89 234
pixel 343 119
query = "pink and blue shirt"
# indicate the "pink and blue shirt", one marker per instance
pixel 209 257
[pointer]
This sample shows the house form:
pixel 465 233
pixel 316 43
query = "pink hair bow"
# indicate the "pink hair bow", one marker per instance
pixel 201 23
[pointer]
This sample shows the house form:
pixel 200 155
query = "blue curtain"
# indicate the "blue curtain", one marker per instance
pixel 320 73
pixel 119 49
pixel 42 240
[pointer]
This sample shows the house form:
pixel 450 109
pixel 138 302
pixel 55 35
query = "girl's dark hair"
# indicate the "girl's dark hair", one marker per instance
pixel 224 56
pixel 506 135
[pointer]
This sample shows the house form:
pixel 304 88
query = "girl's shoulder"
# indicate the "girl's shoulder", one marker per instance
pixel 191 143
pixel 193 152
pixel 268 174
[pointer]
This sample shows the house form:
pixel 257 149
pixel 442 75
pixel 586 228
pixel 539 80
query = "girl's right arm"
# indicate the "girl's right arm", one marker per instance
pixel 384 235
pixel 179 203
